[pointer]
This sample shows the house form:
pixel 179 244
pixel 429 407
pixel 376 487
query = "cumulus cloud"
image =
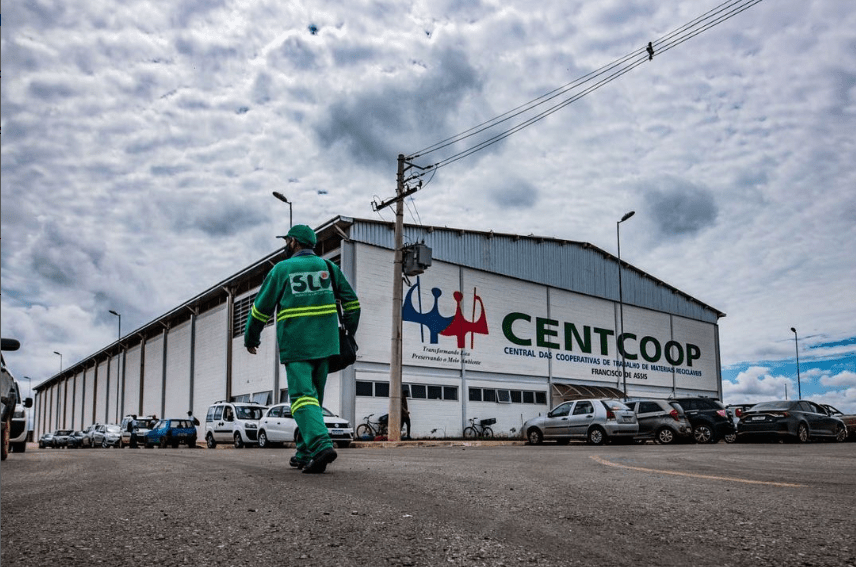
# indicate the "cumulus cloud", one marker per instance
pixel 756 384
pixel 678 207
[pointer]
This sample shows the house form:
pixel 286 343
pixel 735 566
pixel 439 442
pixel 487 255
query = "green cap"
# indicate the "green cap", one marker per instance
pixel 303 234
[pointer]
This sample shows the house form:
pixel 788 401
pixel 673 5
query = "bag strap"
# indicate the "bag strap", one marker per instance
pixel 338 301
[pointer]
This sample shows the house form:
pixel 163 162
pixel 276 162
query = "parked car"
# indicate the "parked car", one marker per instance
pixel 107 435
pixel 14 414
pixel 75 440
pixel 134 429
pixel 171 433
pixel 596 421
pixel 709 418
pixel 235 422
pixel 59 438
pixel 661 420
pixel 46 440
pixel 277 426
pixel 88 434
pixel 848 419
pixel 799 420
pixel 735 412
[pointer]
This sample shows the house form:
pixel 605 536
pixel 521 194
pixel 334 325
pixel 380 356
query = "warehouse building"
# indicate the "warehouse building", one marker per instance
pixel 499 326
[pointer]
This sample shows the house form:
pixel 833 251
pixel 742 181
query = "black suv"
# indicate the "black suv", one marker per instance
pixel 709 418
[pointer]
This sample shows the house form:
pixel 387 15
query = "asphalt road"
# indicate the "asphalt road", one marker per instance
pixel 688 505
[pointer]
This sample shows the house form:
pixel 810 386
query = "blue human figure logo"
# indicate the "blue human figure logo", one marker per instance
pixel 435 322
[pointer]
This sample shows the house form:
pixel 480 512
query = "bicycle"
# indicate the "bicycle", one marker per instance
pixel 480 429
pixel 371 429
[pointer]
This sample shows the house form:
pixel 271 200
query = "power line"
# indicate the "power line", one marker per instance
pixel 601 76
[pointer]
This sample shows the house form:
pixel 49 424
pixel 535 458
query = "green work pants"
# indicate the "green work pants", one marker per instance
pixel 306 382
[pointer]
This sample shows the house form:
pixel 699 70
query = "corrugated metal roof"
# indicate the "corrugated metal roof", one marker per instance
pixel 564 264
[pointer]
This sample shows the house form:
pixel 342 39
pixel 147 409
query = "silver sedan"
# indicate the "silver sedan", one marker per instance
pixel 596 421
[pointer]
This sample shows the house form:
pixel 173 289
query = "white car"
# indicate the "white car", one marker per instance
pixel 596 421
pixel 233 422
pixel 277 427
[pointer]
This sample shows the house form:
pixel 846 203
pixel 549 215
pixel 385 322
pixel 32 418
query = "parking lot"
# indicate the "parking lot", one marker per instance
pixel 738 504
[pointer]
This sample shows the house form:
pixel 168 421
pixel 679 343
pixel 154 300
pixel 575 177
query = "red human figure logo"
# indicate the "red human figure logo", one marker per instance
pixel 460 327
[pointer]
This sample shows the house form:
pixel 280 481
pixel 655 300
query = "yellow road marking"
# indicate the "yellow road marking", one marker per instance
pixel 710 477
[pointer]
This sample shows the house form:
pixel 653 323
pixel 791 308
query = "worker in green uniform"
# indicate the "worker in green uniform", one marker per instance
pixel 303 290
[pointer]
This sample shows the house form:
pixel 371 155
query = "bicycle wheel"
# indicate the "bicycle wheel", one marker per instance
pixel 471 433
pixel 363 430
pixel 487 433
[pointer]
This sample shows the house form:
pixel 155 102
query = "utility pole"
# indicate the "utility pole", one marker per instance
pixel 394 432
pixel 402 191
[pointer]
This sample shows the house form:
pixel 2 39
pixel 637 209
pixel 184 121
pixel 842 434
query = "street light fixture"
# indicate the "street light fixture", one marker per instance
pixel 60 360
pixel 282 198
pixel 797 347
pixel 619 338
pixel 120 322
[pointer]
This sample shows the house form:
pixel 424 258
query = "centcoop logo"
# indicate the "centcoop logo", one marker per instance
pixel 456 325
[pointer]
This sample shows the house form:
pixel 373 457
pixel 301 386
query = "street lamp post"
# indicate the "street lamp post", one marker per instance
pixel 620 337
pixel 797 347
pixel 120 322
pixel 60 360
pixel 282 198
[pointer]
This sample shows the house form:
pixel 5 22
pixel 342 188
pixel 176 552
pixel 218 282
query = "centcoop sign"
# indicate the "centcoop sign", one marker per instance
pixel 519 330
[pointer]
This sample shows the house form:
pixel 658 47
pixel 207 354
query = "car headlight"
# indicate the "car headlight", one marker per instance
pixel 18 415
pixel 251 426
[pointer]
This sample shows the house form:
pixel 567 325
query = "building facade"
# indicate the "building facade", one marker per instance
pixel 500 326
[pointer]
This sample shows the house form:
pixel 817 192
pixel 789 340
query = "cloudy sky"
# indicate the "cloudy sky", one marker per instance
pixel 141 142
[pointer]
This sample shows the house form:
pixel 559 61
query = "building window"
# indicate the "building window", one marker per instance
pixel 262 398
pixel 507 396
pixel 415 391
pixel 240 313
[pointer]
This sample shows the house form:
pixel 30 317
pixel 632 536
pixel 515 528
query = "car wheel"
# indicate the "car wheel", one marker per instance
pixel 729 437
pixel 596 436
pixel 209 441
pixel 665 436
pixel 104 443
pixel 840 434
pixel 191 442
pixel 534 436
pixel 7 430
pixel 803 433
pixel 163 442
pixel 119 444
pixel 41 445
pixel 703 433
pixel 239 443
pixel 263 440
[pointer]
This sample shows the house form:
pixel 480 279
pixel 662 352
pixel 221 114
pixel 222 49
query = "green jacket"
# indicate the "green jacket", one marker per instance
pixel 302 291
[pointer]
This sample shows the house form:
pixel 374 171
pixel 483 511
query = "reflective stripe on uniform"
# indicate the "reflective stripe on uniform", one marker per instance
pixel 351 305
pixel 259 315
pixel 313 311
pixel 302 402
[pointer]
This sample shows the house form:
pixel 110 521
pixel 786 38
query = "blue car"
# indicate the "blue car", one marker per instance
pixel 172 432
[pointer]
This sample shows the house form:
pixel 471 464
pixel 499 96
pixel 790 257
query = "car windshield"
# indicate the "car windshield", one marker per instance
pixel 615 405
pixel 249 412
pixel 114 429
pixel 767 406
pixel 328 413
pixel 64 432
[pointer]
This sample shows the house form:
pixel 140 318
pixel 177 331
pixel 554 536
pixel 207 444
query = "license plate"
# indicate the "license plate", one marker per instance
pixel 627 419
pixel 337 431
pixel 758 418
